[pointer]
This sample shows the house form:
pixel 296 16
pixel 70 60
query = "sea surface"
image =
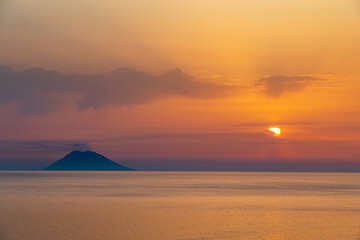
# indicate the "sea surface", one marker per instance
pixel 179 206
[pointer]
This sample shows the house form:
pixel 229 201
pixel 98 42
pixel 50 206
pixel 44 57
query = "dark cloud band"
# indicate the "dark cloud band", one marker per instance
pixel 39 91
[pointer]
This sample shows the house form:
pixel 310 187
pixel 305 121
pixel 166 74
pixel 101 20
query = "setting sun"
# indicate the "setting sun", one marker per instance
pixel 275 130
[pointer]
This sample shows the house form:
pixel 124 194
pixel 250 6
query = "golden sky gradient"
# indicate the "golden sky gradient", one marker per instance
pixel 245 66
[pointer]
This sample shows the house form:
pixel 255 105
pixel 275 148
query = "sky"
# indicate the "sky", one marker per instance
pixel 180 84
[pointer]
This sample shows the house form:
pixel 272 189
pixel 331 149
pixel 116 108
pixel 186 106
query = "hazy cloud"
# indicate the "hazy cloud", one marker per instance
pixel 272 123
pixel 242 137
pixel 275 86
pixel 30 146
pixel 39 91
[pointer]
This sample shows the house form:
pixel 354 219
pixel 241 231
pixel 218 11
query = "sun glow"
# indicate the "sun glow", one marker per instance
pixel 275 130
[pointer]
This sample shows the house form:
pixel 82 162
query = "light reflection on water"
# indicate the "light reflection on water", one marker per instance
pixel 178 205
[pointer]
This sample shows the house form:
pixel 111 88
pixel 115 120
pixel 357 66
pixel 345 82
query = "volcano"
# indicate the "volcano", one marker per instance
pixel 85 161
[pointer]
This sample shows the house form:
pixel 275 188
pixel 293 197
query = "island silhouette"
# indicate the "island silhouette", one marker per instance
pixel 86 161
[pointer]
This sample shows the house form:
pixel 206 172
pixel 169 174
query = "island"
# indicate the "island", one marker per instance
pixel 86 161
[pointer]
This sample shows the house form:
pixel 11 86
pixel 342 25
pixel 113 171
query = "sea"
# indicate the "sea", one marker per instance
pixel 37 205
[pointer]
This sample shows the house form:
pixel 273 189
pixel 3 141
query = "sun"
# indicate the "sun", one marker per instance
pixel 275 130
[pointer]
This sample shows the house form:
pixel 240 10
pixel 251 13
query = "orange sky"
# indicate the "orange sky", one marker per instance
pixel 245 66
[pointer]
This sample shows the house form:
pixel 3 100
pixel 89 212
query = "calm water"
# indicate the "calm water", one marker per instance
pixel 179 206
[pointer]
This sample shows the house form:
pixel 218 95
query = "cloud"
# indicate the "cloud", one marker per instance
pixel 276 86
pixel 240 137
pixel 39 91
pixel 33 146
pixel 272 123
